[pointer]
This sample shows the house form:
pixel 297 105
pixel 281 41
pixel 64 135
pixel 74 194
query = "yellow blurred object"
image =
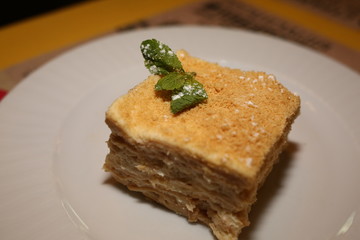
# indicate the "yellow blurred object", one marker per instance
pixel 65 27
pixel 78 23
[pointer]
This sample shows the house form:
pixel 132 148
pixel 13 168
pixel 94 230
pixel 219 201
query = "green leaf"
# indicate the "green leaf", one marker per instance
pixel 172 81
pixel 159 58
pixel 191 93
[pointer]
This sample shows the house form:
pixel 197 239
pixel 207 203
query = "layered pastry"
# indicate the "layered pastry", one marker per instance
pixel 207 162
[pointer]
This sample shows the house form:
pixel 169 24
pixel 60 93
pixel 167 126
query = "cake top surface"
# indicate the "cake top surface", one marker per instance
pixel 245 114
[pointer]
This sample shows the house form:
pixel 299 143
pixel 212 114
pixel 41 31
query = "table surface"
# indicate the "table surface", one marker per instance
pixel 330 27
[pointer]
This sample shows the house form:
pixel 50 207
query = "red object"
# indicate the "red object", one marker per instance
pixel 2 94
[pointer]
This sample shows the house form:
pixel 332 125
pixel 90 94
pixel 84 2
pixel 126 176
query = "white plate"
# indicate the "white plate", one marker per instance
pixel 52 144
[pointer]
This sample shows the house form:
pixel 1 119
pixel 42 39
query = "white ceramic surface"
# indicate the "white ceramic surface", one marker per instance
pixel 52 144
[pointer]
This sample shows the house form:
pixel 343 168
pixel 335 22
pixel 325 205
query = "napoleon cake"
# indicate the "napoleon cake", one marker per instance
pixel 205 162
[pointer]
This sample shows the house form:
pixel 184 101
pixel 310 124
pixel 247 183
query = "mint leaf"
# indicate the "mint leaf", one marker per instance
pixel 191 93
pixel 172 81
pixel 159 58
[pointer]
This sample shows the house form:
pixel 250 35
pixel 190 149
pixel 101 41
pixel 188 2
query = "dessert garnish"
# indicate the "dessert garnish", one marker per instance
pixel 186 91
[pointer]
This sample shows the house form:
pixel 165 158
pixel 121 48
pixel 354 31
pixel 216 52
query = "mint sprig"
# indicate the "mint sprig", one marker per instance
pixel 186 91
pixel 190 94
pixel 159 58
pixel 172 81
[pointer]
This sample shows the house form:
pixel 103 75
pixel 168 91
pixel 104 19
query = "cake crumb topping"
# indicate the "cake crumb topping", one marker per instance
pixel 240 118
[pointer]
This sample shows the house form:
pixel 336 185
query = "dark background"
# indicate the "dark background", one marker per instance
pixel 12 11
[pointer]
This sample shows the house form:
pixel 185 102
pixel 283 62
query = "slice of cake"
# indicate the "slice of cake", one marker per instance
pixel 207 162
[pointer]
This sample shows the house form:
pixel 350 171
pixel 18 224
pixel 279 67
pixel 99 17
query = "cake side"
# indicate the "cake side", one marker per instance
pixel 186 184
